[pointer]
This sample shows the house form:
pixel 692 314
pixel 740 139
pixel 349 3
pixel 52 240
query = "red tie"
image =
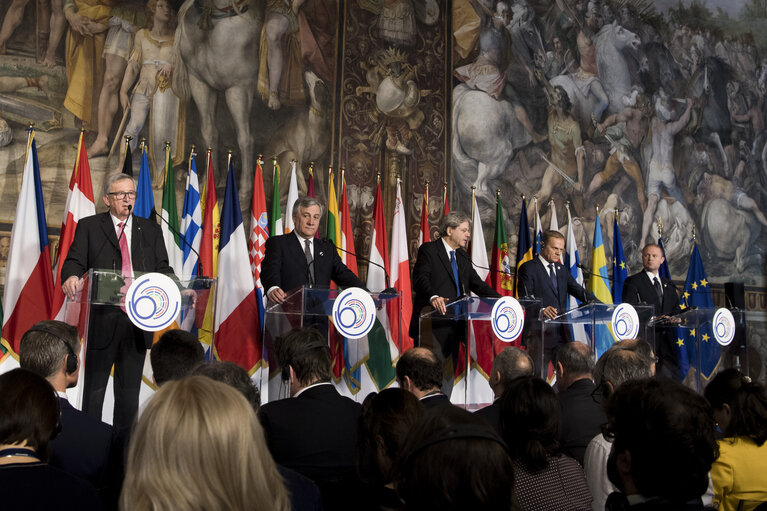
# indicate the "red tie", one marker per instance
pixel 126 268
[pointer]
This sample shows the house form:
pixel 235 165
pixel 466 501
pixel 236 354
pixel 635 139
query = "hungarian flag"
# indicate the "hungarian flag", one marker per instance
pixel 292 198
pixel 500 276
pixel 399 317
pixel 275 218
pixel 211 231
pixel 29 280
pixel 237 329
pixel 524 248
pixel 425 232
pixel 80 204
pixel 169 213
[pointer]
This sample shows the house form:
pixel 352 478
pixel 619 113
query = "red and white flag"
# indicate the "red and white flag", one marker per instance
pixel 259 227
pixel 347 234
pixel 400 275
pixel 425 232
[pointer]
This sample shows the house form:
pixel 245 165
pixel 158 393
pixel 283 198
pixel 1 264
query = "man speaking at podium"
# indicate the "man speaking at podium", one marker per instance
pixel 126 244
pixel 298 258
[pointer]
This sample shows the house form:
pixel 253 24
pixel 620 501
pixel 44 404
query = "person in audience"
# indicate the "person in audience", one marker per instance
pixel 84 447
pixel 624 361
pixel 29 418
pixel 663 445
pixel 175 355
pixel 419 371
pixel 582 415
pixel 315 430
pixel 304 494
pixel 545 479
pixel 451 461
pixel 740 409
pixel 199 445
pixel 510 363
pixel 381 430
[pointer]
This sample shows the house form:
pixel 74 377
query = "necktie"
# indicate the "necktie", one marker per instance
pixel 658 289
pixel 454 265
pixel 553 275
pixel 126 266
pixel 309 260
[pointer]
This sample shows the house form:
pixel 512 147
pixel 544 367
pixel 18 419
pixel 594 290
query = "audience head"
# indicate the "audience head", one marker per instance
pixel 175 355
pixel 419 370
pixel 383 425
pixel 740 406
pixel 530 421
pixel 663 440
pixel 510 363
pixel 574 361
pixel 50 349
pixel 235 376
pixel 29 411
pixel 623 362
pixel 452 460
pixel 304 356
pixel 199 445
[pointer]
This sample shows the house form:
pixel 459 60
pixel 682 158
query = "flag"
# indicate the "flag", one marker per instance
pixel 292 198
pixel 598 284
pixel 620 270
pixel 553 223
pixel 538 231
pixel 144 205
pixel 169 214
pixel 310 182
pixel 259 227
pixel 333 221
pixel 425 231
pixel 400 275
pixel 211 230
pixel 446 209
pixel 695 344
pixel 275 218
pixel 524 248
pixel 573 262
pixel 128 161
pixel 347 234
pixel 663 271
pixel 28 276
pixel 237 329
pixel 191 221
pixel 478 248
pixel 80 204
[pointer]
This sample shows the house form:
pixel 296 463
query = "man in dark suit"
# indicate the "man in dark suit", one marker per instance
pixel 419 371
pixel 126 244
pixel 315 430
pixel 548 280
pixel 648 287
pixel 84 447
pixel 296 259
pixel 442 273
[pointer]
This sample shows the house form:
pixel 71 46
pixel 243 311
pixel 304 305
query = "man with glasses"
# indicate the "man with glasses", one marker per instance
pixel 121 242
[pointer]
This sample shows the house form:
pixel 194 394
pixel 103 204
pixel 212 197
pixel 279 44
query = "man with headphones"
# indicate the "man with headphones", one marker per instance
pixel 85 446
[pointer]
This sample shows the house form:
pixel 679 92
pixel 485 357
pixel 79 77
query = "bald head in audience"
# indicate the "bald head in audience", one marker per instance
pixel 419 371
pixel 575 361
pixel 510 363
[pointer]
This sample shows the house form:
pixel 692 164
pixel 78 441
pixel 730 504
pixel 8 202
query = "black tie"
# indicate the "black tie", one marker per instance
pixel 309 260
pixel 658 289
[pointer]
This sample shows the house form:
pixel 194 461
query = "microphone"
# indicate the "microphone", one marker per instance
pixel 389 289
pixel 182 238
pixel 589 272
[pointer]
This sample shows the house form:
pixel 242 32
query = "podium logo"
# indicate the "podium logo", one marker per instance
pixel 625 322
pixel 724 326
pixel 507 319
pixel 354 313
pixel 153 302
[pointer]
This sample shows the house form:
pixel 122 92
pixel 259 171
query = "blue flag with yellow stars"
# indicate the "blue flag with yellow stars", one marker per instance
pixel 620 270
pixel 695 342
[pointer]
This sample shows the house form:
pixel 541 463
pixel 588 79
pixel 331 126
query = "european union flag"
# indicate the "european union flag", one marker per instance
pixel 695 341
pixel 620 270
pixel 144 206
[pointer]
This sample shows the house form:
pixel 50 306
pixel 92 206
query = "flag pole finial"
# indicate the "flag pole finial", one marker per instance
pixel 597 209
pixel 693 233
pixel 660 227
pixel 378 176
pixel 521 194
pixel 83 131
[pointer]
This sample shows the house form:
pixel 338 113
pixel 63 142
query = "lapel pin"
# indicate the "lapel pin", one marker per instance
pixel 322 254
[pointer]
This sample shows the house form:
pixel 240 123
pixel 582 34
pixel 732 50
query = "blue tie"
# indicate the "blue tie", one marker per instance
pixel 454 265
pixel 553 275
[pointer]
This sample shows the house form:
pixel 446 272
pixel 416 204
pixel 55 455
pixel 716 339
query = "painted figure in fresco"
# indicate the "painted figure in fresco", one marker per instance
pixel 396 22
pixel 57 25
pixel 125 20
pixel 152 61
pixel 558 60
pixel 11 84
pixel 661 168
pixel 713 186
pixel 625 131
pixel 88 24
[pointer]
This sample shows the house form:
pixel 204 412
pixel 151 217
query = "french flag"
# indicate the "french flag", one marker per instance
pixel 237 330
pixel 80 204
pixel 29 279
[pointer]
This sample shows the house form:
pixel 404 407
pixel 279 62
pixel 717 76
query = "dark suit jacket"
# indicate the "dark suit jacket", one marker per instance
pixel 535 281
pixel 433 275
pixel 638 288
pixel 84 448
pixel 284 265
pixel 314 433
pixel 435 401
pixel 95 246
pixel 492 415
pixel 582 418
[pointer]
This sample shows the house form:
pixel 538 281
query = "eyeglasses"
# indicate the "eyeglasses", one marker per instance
pixel 122 195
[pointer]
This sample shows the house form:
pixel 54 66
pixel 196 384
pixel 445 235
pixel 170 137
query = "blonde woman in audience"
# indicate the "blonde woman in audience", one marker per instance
pixel 199 446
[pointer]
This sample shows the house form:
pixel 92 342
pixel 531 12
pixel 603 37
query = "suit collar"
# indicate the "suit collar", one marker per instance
pixel 442 254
